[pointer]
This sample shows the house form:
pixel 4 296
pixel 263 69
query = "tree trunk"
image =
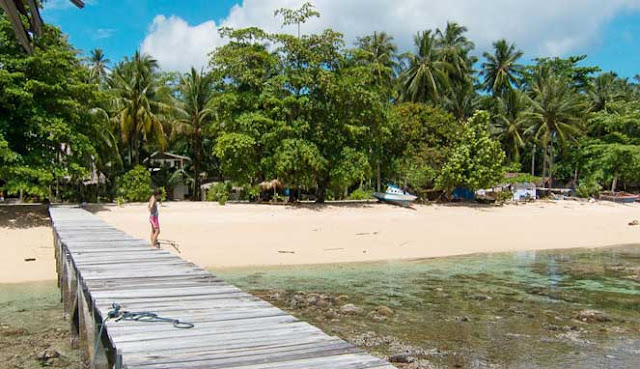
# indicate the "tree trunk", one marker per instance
pixel 321 194
pixel 378 179
pixel 614 183
pixel 544 165
pixel 196 168
pixel 533 160
pixel 551 165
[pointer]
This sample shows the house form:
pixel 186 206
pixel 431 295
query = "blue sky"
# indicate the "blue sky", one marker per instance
pixel 180 33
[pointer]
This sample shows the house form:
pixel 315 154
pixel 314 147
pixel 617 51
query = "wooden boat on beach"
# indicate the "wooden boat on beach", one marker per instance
pixel 620 197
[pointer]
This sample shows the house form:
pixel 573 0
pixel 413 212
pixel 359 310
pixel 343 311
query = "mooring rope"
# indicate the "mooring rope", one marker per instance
pixel 117 314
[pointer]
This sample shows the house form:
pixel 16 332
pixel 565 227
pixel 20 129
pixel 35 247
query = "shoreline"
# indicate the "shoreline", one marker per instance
pixel 248 235
pixel 243 235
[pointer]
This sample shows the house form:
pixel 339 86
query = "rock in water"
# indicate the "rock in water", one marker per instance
pixel 384 311
pixel 402 358
pixel 48 354
pixel 592 316
pixel 350 309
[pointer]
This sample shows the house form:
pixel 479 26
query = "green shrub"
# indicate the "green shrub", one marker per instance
pixel 135 185
pixel 163 193
pixel 588 188
pixel 360 194
pixel 251 193
pixel 219 192
pixel 504 196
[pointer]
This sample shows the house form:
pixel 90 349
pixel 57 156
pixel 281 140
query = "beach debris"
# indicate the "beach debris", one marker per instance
pixel 634 222
pixel 350 309
pixel 30 259
pixel 365 233
pixel 286 252
pixel 334 249
pixel 593 316
pixel 403 358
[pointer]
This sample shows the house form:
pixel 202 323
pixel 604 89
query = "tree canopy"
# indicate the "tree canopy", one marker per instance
pixel 323 115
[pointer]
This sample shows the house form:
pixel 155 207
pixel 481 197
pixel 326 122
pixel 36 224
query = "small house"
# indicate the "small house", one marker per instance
pixel 172 162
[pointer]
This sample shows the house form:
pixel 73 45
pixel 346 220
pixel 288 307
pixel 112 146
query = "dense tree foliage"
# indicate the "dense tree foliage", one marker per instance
pixel 322 116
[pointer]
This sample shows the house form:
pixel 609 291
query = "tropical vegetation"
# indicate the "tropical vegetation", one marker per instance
pixel 326 118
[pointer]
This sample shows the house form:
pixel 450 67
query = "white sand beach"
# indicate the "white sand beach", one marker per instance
pixel 242 235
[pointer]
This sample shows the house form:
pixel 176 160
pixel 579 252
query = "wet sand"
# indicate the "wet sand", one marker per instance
pixel 244 235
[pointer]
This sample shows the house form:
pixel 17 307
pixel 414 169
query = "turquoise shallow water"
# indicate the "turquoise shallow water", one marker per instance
pixel 508 310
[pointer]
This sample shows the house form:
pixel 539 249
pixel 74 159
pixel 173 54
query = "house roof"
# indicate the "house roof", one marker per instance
pixel 166 155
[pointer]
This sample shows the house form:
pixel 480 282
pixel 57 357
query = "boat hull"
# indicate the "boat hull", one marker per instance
pixel 404 200
pixel 620 199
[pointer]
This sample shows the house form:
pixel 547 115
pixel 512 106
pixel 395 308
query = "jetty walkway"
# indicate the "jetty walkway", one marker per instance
pixel 99 265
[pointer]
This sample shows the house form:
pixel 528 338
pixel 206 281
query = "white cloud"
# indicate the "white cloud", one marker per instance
pixel 177 45
pixel 102 33
pixel 539 27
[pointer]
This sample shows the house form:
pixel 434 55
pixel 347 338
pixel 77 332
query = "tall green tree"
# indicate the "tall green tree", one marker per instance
pixel 510 121
pixel 454 48
pixel 137 107
pixel 425 78
pixel 194 114
pixel 98 65
pixel 46 126
pixel 501 71
pixel 476 161
pixel 556 116
pixel 379 52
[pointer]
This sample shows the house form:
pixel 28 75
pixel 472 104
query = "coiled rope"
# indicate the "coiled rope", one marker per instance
pixel 117 314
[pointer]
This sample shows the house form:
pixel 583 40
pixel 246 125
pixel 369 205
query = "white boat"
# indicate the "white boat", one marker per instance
pixel 395 195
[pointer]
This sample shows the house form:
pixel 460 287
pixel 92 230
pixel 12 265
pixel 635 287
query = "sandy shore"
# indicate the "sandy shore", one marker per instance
pixel 25 234
pixel 244 235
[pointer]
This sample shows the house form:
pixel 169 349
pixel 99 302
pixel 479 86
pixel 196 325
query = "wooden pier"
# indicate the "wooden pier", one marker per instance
pixel 99 265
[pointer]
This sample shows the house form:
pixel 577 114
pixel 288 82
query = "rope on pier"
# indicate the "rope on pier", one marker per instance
pixel 117 314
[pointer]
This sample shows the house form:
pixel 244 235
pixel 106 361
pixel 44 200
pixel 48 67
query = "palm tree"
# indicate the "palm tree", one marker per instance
pixel 605 89
pixel 454 49
pixel 382 54
pixel 556 114
pixel 137 108
pixel 501 71
pixel 510 122
pixel 194 112
pixel 426 76
pixel 98 65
